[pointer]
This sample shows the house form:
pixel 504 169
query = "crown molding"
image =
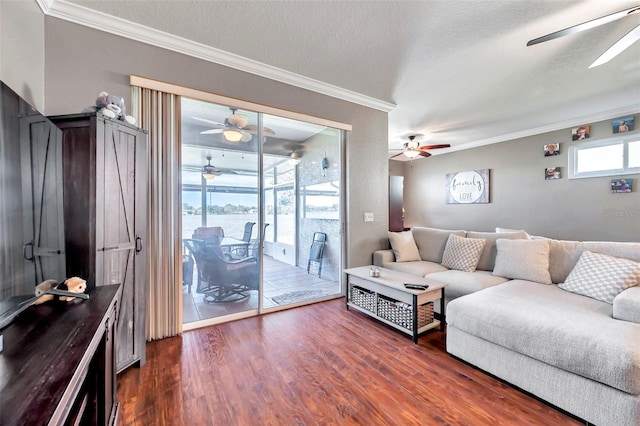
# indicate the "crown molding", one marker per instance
pixel 566 124
pixel 81 15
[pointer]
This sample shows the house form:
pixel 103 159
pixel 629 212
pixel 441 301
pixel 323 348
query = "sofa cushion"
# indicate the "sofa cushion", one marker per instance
pixel 488 258
pixel 431 242
pixel 601 276
pixel 572 332
pixel 403 246
pixel 617 249
pixel 523 259
pixel 462 253
pixel 563 255
pixel 499 229
pixel 419 268
pixel 626 305
pixel 461 283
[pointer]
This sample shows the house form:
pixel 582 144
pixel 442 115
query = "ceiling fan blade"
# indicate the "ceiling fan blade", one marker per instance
pixel 254 129
pixel 211 132
pixel 425 154
pixel 585 25
pixel 204 120
pixel 445 145
pixel 619 47
pixel 397 155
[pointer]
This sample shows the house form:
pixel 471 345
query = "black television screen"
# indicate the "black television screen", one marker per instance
pixel 31 198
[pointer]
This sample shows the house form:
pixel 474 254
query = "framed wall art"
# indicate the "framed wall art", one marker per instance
pixel 470 187
pixel 621 185
pixel 580 133
pixel 551 173
pixel 623 124
pixel 551 149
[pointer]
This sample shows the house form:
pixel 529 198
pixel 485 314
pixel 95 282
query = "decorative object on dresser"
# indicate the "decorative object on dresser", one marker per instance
pixel 105 184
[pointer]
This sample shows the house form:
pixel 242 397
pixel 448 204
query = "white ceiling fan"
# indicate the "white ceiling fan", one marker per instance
pixel 236 128
pixel 622 44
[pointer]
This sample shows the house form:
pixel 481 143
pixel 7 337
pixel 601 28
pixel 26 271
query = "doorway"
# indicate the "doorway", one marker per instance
pixel 256 188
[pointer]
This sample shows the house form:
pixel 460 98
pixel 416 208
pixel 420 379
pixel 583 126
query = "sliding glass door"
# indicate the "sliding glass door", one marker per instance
pixel 259 192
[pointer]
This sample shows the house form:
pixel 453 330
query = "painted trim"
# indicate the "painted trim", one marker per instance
pixel 567 124
pixel 161 86
pixel 81 15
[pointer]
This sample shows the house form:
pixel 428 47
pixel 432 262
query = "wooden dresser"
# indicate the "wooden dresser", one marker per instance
pixel 58 362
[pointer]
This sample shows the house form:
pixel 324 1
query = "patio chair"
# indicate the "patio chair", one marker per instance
pixel 188 262
pixel 207 232
pixel 255 243
pixel 241 251
pixel 220 279
pixel 316 252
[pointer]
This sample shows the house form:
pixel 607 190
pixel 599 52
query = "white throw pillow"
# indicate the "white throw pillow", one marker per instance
pixel 601 276
pixel 523 259
pixel 500 230
pixel 462 253
pixel 403 246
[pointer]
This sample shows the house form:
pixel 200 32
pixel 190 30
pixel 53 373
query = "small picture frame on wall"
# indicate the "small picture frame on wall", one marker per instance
pixel 551 149
pixel 580 133
pixel 623 124
pixel 623 185
pixel 551 173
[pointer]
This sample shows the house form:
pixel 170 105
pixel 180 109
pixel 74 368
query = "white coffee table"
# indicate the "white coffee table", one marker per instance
pixel 386 299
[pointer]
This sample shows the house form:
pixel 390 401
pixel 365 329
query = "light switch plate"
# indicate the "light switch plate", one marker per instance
pixel 368 217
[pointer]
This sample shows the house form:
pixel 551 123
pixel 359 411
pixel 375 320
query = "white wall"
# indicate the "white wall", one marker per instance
pixel 22 50
pixel 576 209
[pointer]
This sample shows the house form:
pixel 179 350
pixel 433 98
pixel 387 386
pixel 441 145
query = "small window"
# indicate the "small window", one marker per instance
pixel 608 157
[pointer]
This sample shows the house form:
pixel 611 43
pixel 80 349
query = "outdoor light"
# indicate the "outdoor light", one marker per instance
pixel 294 159
pixel 208 169
pixel 232 135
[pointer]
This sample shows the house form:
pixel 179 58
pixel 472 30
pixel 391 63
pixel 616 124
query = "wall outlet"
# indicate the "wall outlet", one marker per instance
pixel 368 217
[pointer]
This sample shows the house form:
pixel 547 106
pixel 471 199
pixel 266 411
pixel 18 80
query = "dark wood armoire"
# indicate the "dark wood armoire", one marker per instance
pixel 105 207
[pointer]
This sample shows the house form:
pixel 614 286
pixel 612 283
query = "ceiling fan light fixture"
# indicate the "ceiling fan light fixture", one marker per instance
pixel 411 152
pixel 232 135
pixel 294 159
pixel 412 148
pixel 207 170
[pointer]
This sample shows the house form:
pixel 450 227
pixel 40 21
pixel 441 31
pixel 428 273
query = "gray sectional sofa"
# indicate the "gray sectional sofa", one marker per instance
pixel 541 314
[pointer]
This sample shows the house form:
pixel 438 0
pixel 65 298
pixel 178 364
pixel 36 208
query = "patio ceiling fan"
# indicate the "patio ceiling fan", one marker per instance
pixel 618 47
pixel 412 149
pixel 236 127
pixel 209 171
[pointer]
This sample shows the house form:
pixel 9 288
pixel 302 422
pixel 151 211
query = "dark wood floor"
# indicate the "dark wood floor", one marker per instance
pixel 316 365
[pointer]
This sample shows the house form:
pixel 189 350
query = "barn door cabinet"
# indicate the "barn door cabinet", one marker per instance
pixel 42 241
pixel 105 197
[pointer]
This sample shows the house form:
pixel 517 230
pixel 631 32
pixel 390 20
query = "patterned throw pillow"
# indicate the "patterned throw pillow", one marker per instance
pixel 462 253
pixel 404 247
pixel 601 276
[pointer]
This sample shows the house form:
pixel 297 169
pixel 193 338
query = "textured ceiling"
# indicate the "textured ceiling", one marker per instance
pixel 458 71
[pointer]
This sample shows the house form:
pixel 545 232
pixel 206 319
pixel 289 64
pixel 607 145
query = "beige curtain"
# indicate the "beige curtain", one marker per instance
pixel 159 113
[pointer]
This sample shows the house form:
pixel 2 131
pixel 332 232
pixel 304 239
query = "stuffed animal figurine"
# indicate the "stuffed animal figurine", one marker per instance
pixel 73 284
pixel 112 107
